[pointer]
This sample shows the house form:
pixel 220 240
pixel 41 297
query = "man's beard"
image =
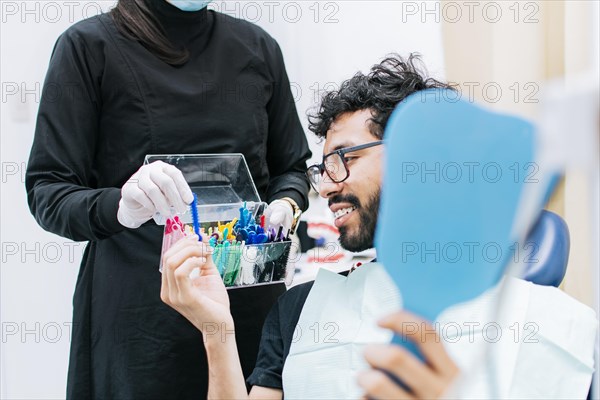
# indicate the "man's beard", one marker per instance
pixel 364 236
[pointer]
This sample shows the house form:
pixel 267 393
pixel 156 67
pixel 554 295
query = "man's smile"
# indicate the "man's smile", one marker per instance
pixel 342 212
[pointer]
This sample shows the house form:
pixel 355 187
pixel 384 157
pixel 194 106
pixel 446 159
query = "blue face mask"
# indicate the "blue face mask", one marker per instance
pixel 189 5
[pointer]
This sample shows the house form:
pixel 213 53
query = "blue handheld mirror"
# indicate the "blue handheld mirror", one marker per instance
pixel 454 177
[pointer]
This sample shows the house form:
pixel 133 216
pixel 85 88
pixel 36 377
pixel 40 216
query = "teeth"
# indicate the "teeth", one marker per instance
pixel 343 211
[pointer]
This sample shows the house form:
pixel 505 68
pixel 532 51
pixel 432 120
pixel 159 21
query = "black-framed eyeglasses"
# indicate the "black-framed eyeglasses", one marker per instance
pixel 335 164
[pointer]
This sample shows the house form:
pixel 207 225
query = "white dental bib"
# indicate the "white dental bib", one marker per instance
pixel 337 321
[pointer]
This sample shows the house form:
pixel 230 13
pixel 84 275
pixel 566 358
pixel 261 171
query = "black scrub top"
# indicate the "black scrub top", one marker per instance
pixel 278 334
pixel 107 102
pixel 279 331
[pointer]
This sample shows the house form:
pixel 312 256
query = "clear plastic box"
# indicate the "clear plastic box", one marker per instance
pixel 223 185
pixel 221 181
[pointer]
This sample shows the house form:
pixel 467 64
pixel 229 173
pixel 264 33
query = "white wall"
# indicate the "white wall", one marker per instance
pixel 326 42
pixel 39 269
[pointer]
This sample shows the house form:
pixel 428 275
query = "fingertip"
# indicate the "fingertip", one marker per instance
pixel 368 348
pixel 373 351
pixel 188 197
pixel 364 377
pixel 387 320
pixel 361 376
pixel 398 317
pixel 205 237
pixel 192 237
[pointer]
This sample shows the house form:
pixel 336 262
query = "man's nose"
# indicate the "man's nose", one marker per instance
pixel 329 188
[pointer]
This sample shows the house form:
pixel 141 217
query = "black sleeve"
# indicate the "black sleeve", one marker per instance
pixel 269 364
pixel 287 148
pixel 277 337
pixel 60 179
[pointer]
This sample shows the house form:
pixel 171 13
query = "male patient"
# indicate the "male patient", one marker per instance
pixel 352 122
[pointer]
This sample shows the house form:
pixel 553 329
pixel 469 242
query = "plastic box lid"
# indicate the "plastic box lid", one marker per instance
pixel 222 183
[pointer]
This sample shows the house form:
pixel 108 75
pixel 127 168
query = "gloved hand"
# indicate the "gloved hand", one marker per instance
pixel 154 187
pixel 279 213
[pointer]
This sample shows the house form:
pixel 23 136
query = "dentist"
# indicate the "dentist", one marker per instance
pixel 155 77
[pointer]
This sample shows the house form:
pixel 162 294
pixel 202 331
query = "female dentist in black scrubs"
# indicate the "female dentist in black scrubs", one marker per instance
pixel 154 77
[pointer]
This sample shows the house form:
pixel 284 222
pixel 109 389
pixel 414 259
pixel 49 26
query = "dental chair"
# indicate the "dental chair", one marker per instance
pixel 546 262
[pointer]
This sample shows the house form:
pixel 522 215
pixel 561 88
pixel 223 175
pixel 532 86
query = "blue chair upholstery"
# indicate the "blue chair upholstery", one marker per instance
pixel 546 262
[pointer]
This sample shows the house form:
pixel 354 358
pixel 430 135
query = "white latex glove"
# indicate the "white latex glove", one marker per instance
pixel 279 213
pixel 154 187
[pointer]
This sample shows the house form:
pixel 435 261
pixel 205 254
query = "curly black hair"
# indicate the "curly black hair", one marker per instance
pixel 387 84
